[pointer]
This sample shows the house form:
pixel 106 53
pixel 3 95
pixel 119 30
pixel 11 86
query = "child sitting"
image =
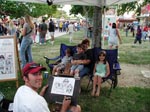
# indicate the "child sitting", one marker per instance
pixel 101 70
pixel 65 60
pixel 76 68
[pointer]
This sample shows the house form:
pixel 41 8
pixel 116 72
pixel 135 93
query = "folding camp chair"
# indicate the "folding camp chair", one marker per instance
pixel 54 61
pixel 111 56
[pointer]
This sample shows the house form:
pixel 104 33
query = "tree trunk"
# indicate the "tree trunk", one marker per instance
pixel 97 27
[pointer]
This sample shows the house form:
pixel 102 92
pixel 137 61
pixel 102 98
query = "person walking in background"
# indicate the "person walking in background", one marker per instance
pixel 144 32
pixel 67 24
pixel 60 26
pixel 132 30
pixel 51 30
pixel 64 27
pixel 42 31
pixel 12 28
pixel 71 29
pixel 85 28
pixel 138 35
pixel 114 36
pixel 35 32
pixel 101 70
pixel 148 32
pixel 20 29
pixel 26 41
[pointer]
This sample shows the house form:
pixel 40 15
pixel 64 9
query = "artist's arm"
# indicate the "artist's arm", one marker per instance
pixel 43 90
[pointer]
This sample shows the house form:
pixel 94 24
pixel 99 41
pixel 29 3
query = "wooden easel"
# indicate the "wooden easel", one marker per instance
pixel 15 59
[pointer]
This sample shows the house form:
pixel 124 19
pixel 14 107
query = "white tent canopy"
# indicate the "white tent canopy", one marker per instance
pixel 80 2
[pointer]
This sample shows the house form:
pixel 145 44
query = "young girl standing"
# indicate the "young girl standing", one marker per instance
pixel 101 70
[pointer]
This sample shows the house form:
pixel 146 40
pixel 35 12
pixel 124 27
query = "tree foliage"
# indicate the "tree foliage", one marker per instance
pixel 18 9
pixel 132 6
pixel 127 7
pixel 83 10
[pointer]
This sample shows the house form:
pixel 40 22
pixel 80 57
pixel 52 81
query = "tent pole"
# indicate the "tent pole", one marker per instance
pixel 103 28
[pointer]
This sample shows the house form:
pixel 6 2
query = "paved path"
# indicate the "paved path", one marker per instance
pixel 56 34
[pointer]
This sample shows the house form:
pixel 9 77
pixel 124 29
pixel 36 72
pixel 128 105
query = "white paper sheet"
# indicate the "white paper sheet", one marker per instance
pixel 63 86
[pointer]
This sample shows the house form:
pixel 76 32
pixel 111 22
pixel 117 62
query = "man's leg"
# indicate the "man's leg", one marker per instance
pixel 83 72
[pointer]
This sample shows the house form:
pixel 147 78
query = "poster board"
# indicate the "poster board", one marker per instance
pixel 60 86
pixel 8 56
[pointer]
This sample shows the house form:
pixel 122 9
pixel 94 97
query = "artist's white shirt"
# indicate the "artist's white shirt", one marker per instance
pixel 28 100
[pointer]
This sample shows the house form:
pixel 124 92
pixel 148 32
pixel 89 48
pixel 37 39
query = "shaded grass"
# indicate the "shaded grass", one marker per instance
pixel 120 100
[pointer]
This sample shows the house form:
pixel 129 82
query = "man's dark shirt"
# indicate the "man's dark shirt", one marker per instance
pixel 51 26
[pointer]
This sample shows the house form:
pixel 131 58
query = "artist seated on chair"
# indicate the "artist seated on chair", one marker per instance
pixel 65 60
pixel 27 98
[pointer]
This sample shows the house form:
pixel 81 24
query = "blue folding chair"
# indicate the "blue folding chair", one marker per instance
pixel 54 61
pixel 111 56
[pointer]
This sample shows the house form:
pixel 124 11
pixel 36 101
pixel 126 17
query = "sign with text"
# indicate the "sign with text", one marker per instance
pixel 8 58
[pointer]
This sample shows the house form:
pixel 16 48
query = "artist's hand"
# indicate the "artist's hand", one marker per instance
pixel 43 90
pixel 66 104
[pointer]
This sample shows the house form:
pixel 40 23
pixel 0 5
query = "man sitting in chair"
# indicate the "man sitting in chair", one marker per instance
pixel 87 61
pixel 77 67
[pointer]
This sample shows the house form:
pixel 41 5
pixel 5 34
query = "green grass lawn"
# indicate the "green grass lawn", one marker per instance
pixel 132 99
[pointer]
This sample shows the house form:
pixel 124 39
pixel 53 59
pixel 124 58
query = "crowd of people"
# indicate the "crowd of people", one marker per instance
pixel 139 32
pixel 28 31
pixel 27 97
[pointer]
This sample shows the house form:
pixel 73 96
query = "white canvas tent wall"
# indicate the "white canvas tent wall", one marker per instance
pixel 81 2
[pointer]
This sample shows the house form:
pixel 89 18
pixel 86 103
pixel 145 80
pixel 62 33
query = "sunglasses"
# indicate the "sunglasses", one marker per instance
pixel 35 65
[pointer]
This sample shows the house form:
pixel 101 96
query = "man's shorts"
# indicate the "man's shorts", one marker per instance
pixel 52 34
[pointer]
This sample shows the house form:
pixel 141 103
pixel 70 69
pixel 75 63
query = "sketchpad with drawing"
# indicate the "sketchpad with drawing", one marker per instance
pixel 60 86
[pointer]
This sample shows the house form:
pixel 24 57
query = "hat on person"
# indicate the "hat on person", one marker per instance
pixel 32 68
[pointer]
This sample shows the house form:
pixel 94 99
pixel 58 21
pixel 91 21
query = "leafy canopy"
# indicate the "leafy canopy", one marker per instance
pixel 18 9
